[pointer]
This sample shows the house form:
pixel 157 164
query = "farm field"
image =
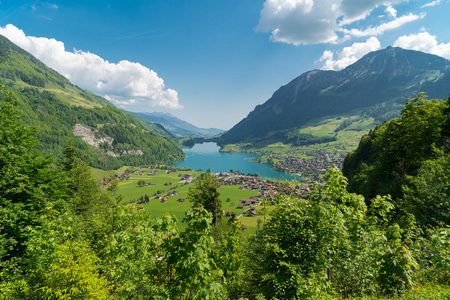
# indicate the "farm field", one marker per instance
pixel 162 184
pixel 347 138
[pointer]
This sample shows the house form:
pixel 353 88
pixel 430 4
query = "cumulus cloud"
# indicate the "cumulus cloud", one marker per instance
pixel 299 21
pixel 348 55
pixel 425 42
pixel 324 21
pixel 122 83
pixel 354 10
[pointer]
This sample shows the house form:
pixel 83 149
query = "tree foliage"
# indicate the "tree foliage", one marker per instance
pixel 64 237
pixel 407 158
pixel 330 244
pixel 205 193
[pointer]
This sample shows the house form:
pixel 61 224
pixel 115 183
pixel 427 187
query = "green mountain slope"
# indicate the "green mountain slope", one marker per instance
pixel 379 83
pixel 59 110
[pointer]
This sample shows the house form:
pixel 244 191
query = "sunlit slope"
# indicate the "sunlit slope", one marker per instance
pixel 60 110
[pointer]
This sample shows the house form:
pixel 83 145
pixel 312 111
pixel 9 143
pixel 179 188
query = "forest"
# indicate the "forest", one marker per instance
pixel 64 237
pixel 56 119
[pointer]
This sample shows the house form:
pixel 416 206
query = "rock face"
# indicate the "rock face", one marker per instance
pixel 390 75
pixel 88 135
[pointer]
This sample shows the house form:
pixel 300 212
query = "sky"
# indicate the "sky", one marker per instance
pixel 211 62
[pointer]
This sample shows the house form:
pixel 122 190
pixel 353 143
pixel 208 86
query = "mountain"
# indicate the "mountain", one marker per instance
pixel 60 111
pixel 178 127
pixel 379 82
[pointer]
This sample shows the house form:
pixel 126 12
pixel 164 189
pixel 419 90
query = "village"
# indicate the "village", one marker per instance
pixel 264 190
pixel 310 169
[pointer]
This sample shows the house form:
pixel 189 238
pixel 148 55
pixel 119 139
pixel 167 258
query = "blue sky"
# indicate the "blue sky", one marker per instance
pixel 211 62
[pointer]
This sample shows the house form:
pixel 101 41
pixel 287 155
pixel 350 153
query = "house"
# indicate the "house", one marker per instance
pixel 246 201
pixel 251 213
pixel 228 213
pixel 181 199
pixel 240 206
pixel 163 200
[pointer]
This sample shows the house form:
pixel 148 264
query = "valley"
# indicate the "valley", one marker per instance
pixel 100 203
pixel 293 159
pixel 163 189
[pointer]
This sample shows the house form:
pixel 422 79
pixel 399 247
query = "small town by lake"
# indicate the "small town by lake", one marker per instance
pixel 207 156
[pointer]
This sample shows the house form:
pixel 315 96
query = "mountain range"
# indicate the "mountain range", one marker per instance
pixel 178 127
pixel 379 83
pixel 61 111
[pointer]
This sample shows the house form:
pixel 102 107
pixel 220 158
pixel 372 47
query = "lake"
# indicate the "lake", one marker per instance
pixel 207 155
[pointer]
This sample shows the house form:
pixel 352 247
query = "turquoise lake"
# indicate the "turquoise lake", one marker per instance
pixel 207 155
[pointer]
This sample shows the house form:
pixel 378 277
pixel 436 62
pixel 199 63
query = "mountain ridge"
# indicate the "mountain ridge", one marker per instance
pixel 178 127
pixel 388 75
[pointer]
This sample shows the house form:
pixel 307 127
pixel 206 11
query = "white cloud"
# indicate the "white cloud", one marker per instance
pixel 433 3
pixel 348 55
pixel 354 10
pixel 299 21
pixel 391 11
pixel 384 27
pixel 425 42
pixel 122 83
pixel 323 21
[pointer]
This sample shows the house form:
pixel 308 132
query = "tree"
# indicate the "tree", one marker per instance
pixel 28 181
pixel 114 188
pixel 330 243
pixel 132 248
pixel 427 195
pixel 206 194
pixel 84 193
pixel 195 274
pixel 395 150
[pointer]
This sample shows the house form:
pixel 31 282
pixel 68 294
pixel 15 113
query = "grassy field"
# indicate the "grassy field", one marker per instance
pixel 347 138
pixel 131 192
pixel 68 94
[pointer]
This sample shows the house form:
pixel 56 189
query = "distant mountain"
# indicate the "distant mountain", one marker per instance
pixel 111 137
pixel 178 127
pixel 379 82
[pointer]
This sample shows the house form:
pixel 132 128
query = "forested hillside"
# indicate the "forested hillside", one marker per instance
pixel 409 158
pixel 63 237
pixel 52 104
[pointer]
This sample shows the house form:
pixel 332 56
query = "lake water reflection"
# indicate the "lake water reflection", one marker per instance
pixel 207 155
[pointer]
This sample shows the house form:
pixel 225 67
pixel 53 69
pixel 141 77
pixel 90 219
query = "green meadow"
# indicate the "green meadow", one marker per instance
pixel 131 192
pixel 347 138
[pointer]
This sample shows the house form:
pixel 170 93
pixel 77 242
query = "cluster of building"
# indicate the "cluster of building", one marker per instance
pixel 267 189
pixel 312 168
pixel 169 194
